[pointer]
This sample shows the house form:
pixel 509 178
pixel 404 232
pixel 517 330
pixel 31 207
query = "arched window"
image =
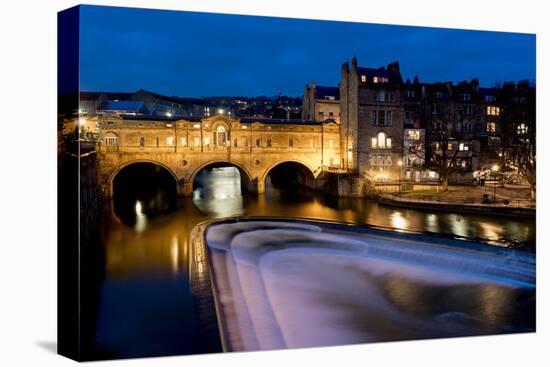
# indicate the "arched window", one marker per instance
pixel 381 140
pixel 221 136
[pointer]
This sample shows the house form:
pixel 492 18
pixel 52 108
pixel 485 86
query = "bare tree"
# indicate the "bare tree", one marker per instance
pixel 523 156
pixel 441 150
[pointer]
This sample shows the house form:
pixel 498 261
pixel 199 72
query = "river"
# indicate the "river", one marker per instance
pixel 144 305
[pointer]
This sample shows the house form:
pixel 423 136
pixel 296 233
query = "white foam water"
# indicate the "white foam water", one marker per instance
pixel 296 284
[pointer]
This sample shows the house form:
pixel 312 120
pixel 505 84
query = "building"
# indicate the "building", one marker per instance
pixel 372 120
pixel 321 103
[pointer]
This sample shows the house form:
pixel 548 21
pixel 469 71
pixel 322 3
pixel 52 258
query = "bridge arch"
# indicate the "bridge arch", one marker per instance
pixel 136 161
pixel 246 177
pixel 150 185
pixel 299 172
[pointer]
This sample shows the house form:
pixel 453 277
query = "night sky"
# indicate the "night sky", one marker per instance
pixel 201 54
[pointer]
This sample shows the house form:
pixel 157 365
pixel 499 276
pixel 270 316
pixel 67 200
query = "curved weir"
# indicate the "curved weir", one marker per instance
pixel 283 284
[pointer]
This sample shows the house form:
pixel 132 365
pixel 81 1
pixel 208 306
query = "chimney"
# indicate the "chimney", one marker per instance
pixel 394 67
pixel 354 63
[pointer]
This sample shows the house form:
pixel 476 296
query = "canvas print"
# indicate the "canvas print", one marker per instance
pixel 244 183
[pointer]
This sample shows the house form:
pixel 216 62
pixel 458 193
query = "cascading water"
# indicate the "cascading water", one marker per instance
pixel 281 284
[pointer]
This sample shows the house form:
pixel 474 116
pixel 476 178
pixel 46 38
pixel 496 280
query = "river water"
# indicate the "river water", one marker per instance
pixel 145 305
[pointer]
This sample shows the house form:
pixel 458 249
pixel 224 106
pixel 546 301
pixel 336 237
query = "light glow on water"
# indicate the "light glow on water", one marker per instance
pixel 298 284
pixel 141 218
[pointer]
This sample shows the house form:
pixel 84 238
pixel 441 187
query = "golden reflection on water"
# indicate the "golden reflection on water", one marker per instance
pixel 159 246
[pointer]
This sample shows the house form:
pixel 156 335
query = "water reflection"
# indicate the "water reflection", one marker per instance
pixel 145 302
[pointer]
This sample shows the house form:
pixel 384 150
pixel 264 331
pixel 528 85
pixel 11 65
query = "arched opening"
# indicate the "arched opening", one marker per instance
pixel 289 175
pixel 143 189
pixel 218 189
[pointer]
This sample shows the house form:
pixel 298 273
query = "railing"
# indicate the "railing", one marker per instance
pixel 468 200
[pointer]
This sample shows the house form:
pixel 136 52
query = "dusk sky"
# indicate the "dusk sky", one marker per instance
pixel 201 54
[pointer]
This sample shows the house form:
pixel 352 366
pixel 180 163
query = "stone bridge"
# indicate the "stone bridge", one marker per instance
pixel 185 146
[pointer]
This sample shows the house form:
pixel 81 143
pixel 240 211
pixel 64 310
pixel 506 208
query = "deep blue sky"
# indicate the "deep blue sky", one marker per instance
pixel 203 54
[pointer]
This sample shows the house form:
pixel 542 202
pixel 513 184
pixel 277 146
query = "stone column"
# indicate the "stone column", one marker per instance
pixel 257 186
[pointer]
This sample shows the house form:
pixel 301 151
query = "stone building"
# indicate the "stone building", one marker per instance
pixel 321 103
pixel 372 120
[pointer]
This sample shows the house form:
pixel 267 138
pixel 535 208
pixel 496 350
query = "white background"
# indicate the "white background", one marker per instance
pixel 28 182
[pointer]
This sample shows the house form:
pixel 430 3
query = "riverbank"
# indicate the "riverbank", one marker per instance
pixel 436 203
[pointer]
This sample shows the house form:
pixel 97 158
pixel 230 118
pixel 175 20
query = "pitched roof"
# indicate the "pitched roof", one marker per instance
pixel 121 106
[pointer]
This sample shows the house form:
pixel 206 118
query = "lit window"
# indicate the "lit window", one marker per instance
pixel 183 141
pixel 493 111
pixel 381 140
pixel 388 143
pixel 491 127
pixel 522 129
pixel 375 79
pixel 414 134
pixel 197 126
pixel 450 146
pixel 463 147
pixel 111 140
pixel 197 141
pixel 245 127
pixel 363 78
pixel 207 141
pixel 374 143
pixel 170 140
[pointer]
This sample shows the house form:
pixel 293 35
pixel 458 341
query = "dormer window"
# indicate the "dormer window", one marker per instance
pixel 363 78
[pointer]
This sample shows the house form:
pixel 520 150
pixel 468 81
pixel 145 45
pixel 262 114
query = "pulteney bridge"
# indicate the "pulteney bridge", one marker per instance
pixel 185 146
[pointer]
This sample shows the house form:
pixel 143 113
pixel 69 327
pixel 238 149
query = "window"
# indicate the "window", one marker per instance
pixel 381 141
pixel 450 146
pixel 522 129
pixel 197 141
pixel 363 78
pixel 269 143
pixel 311 143
pixel 290 143
pixel 207 141
pixel 466 97
pixel 321 115
pixel 170 140
pixel 490 98
pixel 409 93
pixel 388 117
pixel 197 126
pixel 258 143
pixel 220 137
pixel 468 109
pixel 491 127
pixel 413 134
pixel 381 117
pixel 235 143
pixel 463 147
pixel 373 117
pixel 111 140
pixel 436 109
pixel 331 143
pixel 330 115
pixel 493 111
pixel 380 96
pixel 246 142
pixel 142 141
pixel 183 141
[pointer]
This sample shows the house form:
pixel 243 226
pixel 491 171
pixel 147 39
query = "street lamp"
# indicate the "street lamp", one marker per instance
pixel 495 169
